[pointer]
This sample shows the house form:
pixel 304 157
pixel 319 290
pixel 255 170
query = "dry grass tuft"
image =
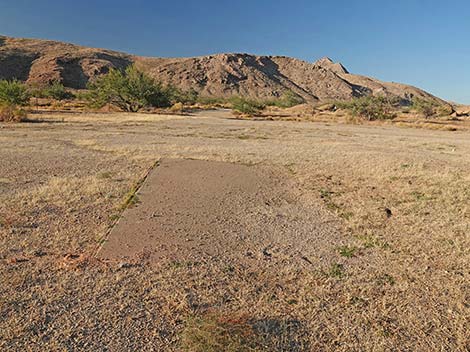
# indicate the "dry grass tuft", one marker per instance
pixel 9 113
pixel 229 332
pixel 218 333
pixel 62 190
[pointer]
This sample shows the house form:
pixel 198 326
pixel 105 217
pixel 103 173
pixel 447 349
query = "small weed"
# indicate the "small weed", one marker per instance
pixel 101 241
pixel 114 217
pixel 104 175
pixel 243 137
pixel 182 264
pixel 229 269
pixel 346 215
pixel 371 241
pixel 386 279
pixel 290 168
pixel 177 265
pixel 347 252
pixel 419 196
pixel 332 206
pixel 357 301
pixel 325 194
pixel 336 270
pixel 130 199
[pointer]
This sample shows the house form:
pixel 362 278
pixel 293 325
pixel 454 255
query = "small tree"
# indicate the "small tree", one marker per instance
pixel 424 106
pixel 131 90
pixel 371 107
pixel 13 93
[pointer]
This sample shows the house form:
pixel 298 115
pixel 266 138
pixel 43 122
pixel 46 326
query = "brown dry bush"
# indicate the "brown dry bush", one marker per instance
pixel 177 108
pixel 11 113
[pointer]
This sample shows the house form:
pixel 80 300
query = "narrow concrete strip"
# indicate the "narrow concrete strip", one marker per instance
pixel 189 210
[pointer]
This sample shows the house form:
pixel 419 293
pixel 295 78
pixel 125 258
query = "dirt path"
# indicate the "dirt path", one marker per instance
pixel 191 210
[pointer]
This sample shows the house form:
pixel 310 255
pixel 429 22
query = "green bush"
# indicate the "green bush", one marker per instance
pixel 445 110
pixel 188 97
pixel 371 107
pixel 13 93
pixel 287 100
pixel 424 106
pixel 55 90
pixel 130 90
pixel 246 106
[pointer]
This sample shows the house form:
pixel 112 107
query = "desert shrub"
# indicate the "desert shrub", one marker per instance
pixel 11 113
pixel 13 93
pixel 36 91
pixel 424 106
pixel 445 110
pixel 177 107
pixel 216 101
pixel 186 97
pixel 130 90
pixel 55 90
pixel 287 100
pixel 246 106
pixel 371 107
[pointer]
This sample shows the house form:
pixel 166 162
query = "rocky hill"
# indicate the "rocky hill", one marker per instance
pixel 222 75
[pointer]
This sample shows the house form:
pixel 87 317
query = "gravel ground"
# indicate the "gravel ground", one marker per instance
pixel 370 251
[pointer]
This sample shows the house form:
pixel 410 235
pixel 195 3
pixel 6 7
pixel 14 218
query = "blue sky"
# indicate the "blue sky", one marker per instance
pixel 424 43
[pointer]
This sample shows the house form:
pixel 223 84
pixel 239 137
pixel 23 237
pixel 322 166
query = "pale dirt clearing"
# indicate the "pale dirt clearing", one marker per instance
pixel 396 252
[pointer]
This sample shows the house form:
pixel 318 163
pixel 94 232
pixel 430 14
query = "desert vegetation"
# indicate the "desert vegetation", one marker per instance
pixel 371 107
pixel 54 90
pixel 288 99
pixel 133 90
pixel 13 96
pixel 130 90
pixel 246 105
pixel 249 106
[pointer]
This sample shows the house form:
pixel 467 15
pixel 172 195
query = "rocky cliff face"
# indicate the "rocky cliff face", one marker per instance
pixel 222 75
pixel 43 61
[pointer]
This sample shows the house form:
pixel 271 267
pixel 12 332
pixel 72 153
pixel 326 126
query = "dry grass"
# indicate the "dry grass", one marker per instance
pixel 12 114
pixel 397 280
pixel 213 333
pixel 63 190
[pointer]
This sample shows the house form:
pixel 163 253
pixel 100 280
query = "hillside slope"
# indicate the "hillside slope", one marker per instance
pixel 221 75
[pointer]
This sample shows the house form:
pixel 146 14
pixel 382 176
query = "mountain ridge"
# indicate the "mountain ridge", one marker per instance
pixel 40 61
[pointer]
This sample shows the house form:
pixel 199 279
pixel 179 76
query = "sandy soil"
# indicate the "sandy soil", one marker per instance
pixel 363 247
